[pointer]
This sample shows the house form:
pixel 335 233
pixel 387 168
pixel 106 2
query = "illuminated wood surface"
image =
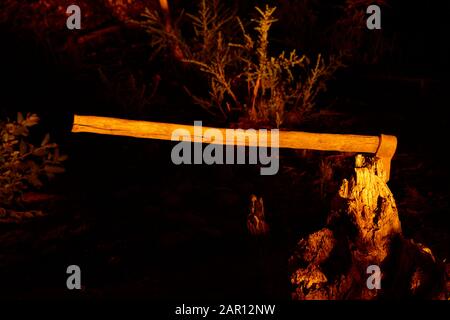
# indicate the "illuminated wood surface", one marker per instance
pixel 383 146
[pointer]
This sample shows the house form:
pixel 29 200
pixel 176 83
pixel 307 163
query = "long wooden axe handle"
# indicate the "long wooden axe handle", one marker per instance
pixel 383 146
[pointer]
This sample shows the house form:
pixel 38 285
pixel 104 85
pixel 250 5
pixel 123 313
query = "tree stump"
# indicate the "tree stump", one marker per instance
pixel 363 229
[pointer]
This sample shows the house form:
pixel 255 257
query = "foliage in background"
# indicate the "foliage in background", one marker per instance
pixel 350 34
pixel 275 86
pixel 212 55
pixel 127 90
pixel 281 84
pixel 24 166
pixel 335 27
pixel 243 77
pixel 165 39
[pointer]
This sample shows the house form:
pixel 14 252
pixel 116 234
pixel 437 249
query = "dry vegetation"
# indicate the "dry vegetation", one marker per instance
pixel 268 68
pixel 24 166
pixel 242 75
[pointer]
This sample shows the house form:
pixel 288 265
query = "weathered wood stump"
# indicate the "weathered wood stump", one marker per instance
pixel 363 229
pixel 256 220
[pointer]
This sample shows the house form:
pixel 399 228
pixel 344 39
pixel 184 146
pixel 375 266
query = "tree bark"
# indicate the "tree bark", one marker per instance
pixel 363 229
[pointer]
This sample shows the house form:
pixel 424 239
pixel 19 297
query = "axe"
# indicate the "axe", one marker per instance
pixel 382 147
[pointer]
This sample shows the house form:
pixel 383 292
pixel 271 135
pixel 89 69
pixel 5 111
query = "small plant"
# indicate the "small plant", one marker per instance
pixel 274 86
pixel 210 23
pixel 212 55
pixel 165 36
pixel 242 78
pixel 270 80
pixel 23 165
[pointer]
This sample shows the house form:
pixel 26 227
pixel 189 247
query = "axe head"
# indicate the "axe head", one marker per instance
pixel 386 150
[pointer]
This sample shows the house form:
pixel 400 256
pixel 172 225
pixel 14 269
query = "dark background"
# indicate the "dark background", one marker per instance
pixel 139 226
